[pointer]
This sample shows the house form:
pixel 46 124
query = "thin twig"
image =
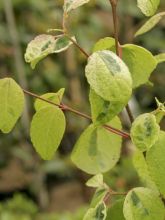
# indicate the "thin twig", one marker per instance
pixel 129 112
pixel 118 47
pixel 116 131
pixel 115 24
pixel 64 21
pixel 77 45
pixel 67 108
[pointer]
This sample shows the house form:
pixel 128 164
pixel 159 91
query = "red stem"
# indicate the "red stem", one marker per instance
pixel 67 108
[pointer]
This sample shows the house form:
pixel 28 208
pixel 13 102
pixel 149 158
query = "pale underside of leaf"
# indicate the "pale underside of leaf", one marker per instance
pixel 43 45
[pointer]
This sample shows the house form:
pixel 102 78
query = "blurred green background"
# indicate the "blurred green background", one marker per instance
pixel 29 187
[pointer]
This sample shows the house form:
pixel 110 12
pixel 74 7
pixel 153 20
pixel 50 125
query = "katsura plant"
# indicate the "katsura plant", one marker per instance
pixel 112 71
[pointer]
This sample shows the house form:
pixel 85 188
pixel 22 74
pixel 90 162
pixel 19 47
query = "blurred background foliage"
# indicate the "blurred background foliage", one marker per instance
pixel 29 187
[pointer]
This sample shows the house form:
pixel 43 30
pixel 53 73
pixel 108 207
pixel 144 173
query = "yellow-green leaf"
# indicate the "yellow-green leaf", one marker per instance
pixel 145 131
pixel 148 7
pixel 142 169
pixel 53 97
pixel 11 104
pixel 109 77
pixel 143 204
pixel 150 24
pixel 156 164
pixel 160 57
pixel 70 5
pixel 115 212
pixel 97 150
pixel 96 181
pixel 103 111
pixel 98 212
pixel 47 129
pixel 140 61
pixel 106 43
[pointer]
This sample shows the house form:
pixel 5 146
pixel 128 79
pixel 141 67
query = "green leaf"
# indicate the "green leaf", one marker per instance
pixel 109 77
pixel 156 164
pixel 70 5
pixel 103 111
pixel 141 167
pixel 11 104
pixel 106 43
pixel 144 131
pixel 43 45
pixel 47 129
pixel 53 97
pixel 143 204
pixel 140 62
pixel 99 195
pixel 148 7
pixel 95 181
pixel 97 213
pixel 115 212
pixel 97 150
pixel 150 24
pixel 160 58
